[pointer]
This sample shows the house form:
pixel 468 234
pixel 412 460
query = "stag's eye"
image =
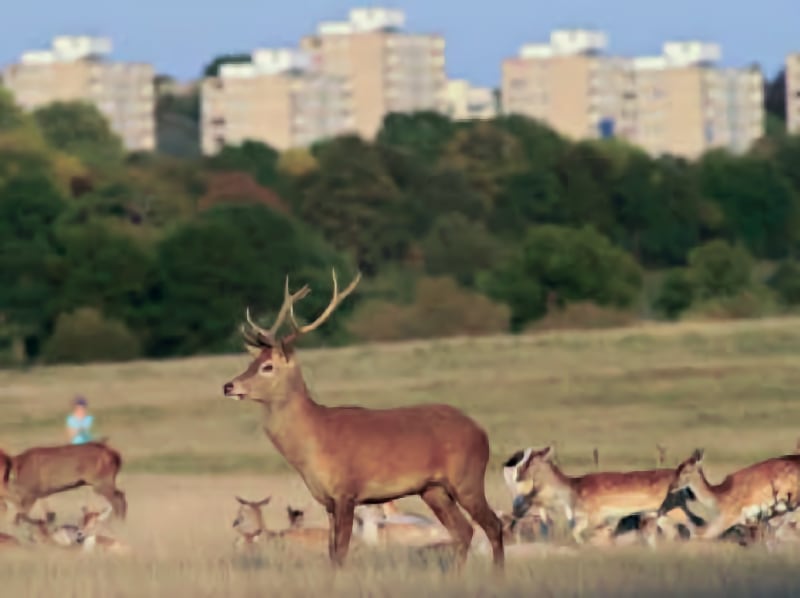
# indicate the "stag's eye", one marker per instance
pixel 266 368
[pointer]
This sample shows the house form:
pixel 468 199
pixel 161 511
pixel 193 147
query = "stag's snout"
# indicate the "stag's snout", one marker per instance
pixel 233 390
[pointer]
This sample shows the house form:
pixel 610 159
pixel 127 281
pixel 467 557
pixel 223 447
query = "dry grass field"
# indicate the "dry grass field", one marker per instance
pixel 730 388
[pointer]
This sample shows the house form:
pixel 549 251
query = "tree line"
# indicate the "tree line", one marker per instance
pixel 459 228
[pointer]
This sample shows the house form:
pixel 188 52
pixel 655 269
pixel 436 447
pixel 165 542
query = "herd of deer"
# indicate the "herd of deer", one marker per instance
pixel 356 462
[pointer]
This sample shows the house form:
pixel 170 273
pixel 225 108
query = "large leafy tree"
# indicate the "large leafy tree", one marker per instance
pixel 355 203
pixel 760 206
pixel 229 258
pixel 80 129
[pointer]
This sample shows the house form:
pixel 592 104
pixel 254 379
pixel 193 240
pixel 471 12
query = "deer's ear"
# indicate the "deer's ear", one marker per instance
pixel 254 351
pixel 697 455
pixel 264 501
pixel 241 501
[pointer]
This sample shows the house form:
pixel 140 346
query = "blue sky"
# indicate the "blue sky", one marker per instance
pixel 180 36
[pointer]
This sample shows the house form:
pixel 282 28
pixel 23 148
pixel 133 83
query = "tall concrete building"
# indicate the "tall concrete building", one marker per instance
pixel 386 69
pixel 464 101
pixel 278 97
pixel 76 68
pixel 678 102
pixel 685 105
pixel 793 93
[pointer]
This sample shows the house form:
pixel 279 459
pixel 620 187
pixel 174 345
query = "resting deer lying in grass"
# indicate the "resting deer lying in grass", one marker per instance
pixel 536 524
pixel 759 491
pixel 44 532
pixel 249 523
pixel 7 541
pixel 42 471
pixel 91 541
pixel 594 502
pixel 82 537
pixel 349 456
pixel 374 527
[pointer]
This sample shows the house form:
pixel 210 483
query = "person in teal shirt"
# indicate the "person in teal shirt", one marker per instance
pixel 79 422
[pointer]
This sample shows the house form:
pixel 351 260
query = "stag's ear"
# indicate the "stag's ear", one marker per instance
pixel 105 513
pixel 548 453
pixel 697 455
pixel 241 501
pixel 263 502
pixel 287 347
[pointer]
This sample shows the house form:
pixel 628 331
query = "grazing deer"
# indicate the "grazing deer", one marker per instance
pixel 42 471
pixel 249 523
pixel 759 491
pixel 349 456
pixel 593 502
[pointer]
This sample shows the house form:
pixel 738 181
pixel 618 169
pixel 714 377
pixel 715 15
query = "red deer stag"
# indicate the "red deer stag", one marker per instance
pixel 42 471
pixel 348 456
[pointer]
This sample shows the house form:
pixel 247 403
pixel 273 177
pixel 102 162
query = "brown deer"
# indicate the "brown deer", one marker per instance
pixel 759 491
pixel 594 502
pixel 249 523
pixel 42 471
pixel 348 456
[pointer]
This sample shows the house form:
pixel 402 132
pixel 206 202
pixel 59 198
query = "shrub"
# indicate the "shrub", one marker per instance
pixel 584 315
pixel 85 335
pixel 675 295
pixel 785 281
pixel 754 302
pixel 571 265
pixel 440 308
pixel 719 269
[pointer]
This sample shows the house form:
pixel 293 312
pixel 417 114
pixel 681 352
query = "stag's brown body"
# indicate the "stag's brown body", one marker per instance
pixel 42 471
pixel 759 491
pixel 351 455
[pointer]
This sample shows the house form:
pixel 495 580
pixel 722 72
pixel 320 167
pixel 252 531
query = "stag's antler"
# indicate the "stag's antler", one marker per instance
pixel 259 336
pixel 335 301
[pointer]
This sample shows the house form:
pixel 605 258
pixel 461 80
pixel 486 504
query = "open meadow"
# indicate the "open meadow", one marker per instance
pixel 730 388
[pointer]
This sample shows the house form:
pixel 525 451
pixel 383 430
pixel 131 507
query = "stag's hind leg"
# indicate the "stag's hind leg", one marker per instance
pixel 473 499
pixel 447 512
pixel 115 497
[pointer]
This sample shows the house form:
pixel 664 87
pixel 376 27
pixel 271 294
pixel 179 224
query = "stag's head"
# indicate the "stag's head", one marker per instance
pixel 688 473
pixel 249 520
pixel 268 378
pixel 532 472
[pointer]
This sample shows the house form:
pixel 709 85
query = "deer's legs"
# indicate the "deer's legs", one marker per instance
pixel 115 497
pixel 341 530
pixel 446 511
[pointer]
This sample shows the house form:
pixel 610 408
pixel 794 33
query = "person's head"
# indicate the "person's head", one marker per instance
pixel 79 406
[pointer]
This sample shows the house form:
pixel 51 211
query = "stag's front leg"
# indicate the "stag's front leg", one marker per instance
pixel 343 513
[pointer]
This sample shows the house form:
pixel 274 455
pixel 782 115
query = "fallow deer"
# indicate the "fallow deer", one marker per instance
pixel 758 491
pixel 91 541
pixel 42 471
pixel 594 502
pixel 249 523
pixel 349 456
pixel 375 528
pixel 44 532
pixel 542 519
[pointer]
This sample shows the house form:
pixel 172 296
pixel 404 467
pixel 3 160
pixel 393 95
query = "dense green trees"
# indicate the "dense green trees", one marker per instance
pixel 459 227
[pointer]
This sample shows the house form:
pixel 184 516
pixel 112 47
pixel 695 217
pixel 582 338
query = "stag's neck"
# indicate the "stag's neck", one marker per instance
pixel 292 426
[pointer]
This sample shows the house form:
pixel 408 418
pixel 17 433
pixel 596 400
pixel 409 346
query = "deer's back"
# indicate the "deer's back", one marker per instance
pixel 43 469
